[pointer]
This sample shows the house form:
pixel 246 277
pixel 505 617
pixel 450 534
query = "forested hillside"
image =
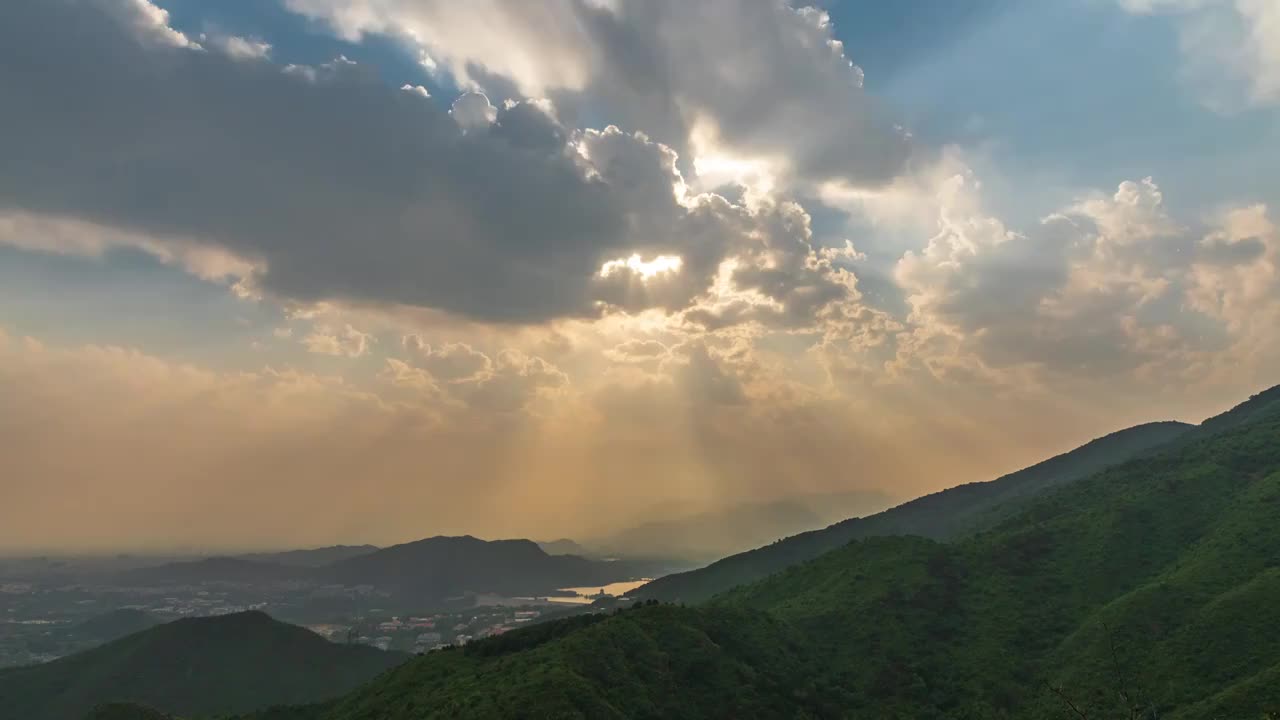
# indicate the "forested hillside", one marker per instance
pixel 198 666
pixel 942 515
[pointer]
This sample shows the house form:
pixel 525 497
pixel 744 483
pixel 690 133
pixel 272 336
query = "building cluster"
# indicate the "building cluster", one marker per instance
pixel 421 634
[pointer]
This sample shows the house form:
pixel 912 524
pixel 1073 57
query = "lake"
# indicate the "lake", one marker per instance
pixel 583 595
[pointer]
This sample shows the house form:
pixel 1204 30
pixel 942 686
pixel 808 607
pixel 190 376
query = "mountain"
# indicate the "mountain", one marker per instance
pixel 312 558
pixel 1257 407
pixel 197 666
pixel 705 536
pixel 78 568
pixel 441 567
pixel 563 546
pixel 713 534
pixel 1147 590
pixel 216 569
pixel 114 625
pixel 942 515
pixel 126 711
pixel 425 571
pixel 658 662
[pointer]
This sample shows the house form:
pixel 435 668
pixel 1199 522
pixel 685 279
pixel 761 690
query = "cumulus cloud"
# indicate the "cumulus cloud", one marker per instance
pixel 510 381
pixel 451 362
pixel 1108 286
pixel 344 342
pixel 636 351
pixel 240 48
pixel 473 111
pixel 1055 296
pixel 518 380
pixel 148 20
pixel 741 77
pixel 1236 274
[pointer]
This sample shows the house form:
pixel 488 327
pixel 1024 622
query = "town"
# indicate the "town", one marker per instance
pixel 43 620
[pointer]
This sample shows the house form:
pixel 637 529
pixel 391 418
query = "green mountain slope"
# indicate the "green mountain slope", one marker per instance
pixel 126 711
pixel 1150 589
pixel 664 662
pixel 942 515
pixel 1156 578
pixel 232 663
pixel 1256 407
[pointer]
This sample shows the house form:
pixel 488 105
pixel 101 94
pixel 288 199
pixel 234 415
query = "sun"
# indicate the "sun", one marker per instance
pixel 646 269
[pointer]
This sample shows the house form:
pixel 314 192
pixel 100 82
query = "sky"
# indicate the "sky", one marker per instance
pixel 300 272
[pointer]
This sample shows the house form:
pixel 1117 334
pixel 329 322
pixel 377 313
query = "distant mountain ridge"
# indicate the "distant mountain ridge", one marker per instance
pixel 683 539
pixel 193 667
pixel 439 567
pixel 312 557
pixel 713 534
pixel 563 546
pixel 214 569
pixel 115 624
pixel 423 571
pixel 941 515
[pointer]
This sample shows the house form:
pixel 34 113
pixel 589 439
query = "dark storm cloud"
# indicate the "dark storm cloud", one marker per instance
pixel 343 187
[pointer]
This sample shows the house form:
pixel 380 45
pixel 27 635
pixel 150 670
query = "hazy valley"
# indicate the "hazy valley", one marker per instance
pixel 1105 578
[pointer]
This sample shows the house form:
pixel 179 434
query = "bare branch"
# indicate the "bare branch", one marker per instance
pixel 1063 697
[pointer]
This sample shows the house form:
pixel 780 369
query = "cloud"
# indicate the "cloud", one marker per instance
pixel 472 111
pixel 618 289
pixel 1109 286
pixel 538 47
pixel 384 464
pixel 1134 214
pixel 637 351
pixel 147 19
pixel 1236 274
pixel 451 362
pixel 1062 296
pixel 106 446
pixel 343 342
pixel 518 380
pixel 237 47
pixel 509 382
pixel 1232 47
pixel 68 236
pixel 732 76
pixel 343 188
pixel 707 378
pixel 335 188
